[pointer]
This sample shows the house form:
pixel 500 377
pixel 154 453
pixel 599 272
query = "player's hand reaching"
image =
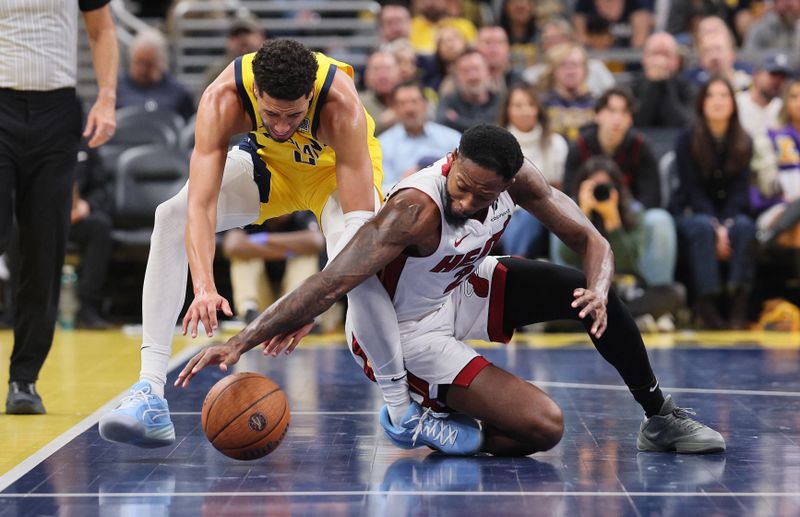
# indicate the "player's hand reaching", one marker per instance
pixel 224 355
pixel 291 339
pixel 591 305
pixel 204 308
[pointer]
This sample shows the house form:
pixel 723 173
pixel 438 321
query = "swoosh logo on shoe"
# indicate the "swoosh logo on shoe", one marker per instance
pixel 654 387
pixel 459 241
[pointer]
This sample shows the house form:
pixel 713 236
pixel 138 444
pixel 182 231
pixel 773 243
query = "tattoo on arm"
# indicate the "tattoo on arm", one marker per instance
pixel 376 244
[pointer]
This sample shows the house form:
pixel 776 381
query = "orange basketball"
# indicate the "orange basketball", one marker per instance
pixel 245 416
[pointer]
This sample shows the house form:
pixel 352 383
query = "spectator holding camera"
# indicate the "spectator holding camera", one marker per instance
pixel 613 136
pixel 600 192
pixel 711 205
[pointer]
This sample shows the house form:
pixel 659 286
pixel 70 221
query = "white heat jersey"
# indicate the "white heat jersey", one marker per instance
pixel 420 286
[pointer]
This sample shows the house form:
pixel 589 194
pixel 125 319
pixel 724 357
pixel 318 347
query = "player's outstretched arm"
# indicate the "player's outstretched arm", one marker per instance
pixel 220 115
pixel 563 217
pixel 407 217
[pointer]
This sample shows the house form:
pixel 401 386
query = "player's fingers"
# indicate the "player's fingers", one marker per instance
pixel 293 346
pixel 583 301
pixel 186 373
pixel 212 317
pixel 226 308
pixel 273 342
pixel 193 322
pixel 185 324
pixel 206 319
pixel 284 338
pixel 603 326
pixel 591 308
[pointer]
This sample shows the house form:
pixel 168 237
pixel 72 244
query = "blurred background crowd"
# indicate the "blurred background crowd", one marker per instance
pixel 673 124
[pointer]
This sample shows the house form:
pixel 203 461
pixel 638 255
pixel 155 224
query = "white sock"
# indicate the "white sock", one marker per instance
pixel 395 393
pixel 371 313
pixel 154 366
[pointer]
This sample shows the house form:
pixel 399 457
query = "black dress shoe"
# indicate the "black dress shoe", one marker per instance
pixel 23 399
pixel 90 319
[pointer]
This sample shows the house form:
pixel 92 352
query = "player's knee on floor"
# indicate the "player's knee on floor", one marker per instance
pixel 544 425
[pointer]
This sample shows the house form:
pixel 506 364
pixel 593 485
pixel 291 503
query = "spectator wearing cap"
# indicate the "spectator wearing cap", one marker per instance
pixel 147 83
pixel 245 35
pixel 413 138
pixel 779 29
pixel 760 105
pixel 662 95
pixel 759 108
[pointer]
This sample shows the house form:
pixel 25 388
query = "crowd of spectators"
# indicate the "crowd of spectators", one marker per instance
pixel 683 152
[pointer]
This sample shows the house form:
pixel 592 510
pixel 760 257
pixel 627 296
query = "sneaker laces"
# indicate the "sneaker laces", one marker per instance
pixel 142 394
pixel 446 434
pixel 683 417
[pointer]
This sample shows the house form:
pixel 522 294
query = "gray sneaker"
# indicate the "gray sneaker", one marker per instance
pixel 672 429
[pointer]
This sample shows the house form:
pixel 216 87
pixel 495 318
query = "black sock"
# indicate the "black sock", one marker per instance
pixel 649 397
pixel 621 344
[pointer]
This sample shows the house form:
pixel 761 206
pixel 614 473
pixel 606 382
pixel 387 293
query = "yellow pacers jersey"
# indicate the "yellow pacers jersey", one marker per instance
pixel 299 174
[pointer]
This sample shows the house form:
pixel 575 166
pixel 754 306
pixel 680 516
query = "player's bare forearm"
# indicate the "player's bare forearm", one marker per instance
pixel 374 246
pixel 566 220
pixel 204 185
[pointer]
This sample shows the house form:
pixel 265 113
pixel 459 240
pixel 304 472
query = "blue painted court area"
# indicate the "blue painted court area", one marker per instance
pixel 336 461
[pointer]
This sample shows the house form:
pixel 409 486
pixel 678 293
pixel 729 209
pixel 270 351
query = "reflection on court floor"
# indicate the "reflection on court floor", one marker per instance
pixel 336 461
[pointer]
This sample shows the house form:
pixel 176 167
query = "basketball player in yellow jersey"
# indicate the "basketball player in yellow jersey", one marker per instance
pixel 310 146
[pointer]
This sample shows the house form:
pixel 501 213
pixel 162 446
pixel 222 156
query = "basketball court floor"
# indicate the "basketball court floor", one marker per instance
pixel 336 461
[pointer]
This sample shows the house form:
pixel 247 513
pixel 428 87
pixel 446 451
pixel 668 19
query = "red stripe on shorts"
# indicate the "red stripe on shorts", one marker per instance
pixel 390 276
pixel 496 306
pixel 469 372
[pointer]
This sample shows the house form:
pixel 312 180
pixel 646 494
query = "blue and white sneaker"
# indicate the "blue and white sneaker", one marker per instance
pixel 457 435
pixel 141 419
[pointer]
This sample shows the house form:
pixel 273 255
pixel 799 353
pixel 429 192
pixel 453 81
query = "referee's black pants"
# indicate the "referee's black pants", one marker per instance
pixel 39 136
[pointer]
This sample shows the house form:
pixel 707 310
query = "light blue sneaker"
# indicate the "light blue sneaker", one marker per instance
pixel 141 419
pixel 457 435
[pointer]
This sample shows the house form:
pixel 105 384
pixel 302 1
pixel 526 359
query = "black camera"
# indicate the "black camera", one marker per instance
pixel 602 191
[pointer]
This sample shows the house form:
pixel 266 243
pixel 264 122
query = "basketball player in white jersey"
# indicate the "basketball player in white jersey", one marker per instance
pixel 429 245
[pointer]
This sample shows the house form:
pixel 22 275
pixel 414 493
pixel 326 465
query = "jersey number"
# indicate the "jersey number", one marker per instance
pixel 308 154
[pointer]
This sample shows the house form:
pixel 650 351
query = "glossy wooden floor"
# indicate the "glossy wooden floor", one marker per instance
pixel 335 459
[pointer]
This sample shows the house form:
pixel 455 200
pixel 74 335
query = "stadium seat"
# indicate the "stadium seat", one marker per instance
pixel 146 176
pixel 135 115
pixel 661 139
pixel 668 176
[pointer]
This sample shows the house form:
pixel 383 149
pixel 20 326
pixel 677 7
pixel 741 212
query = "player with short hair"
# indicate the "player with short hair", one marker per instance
pixel 429 244
pixel 310 146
